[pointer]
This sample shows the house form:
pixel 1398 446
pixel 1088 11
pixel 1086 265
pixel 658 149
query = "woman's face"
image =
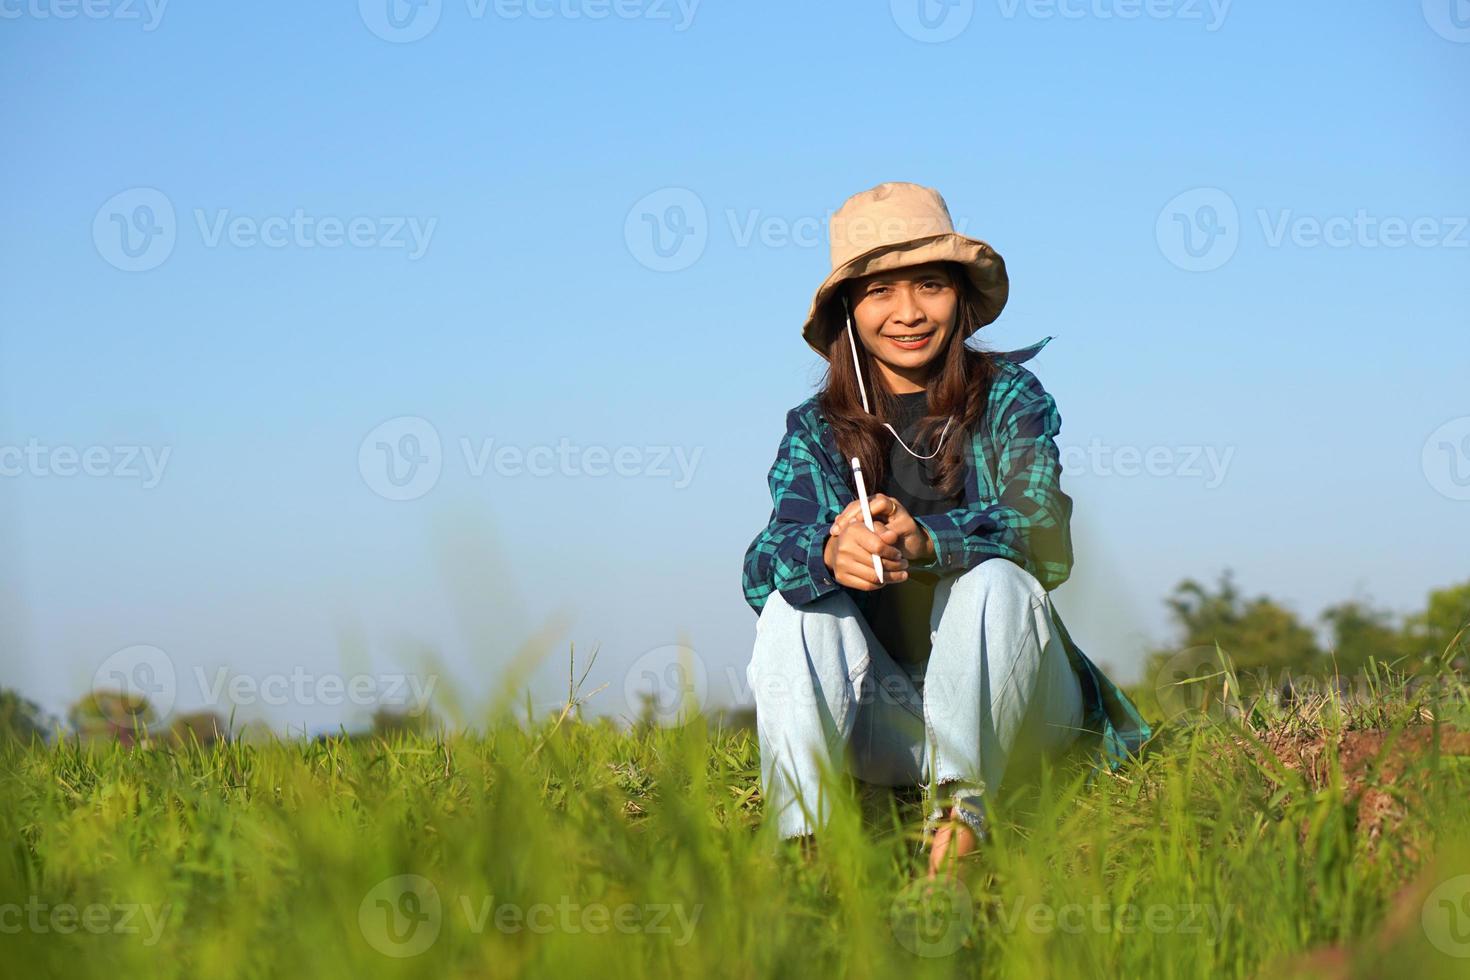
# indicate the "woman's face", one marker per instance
pixel 903 317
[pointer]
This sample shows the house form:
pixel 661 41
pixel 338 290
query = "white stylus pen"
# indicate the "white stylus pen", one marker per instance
pixel 862 492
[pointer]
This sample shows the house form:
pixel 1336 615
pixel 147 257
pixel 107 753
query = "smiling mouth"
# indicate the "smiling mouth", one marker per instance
pixel 910 341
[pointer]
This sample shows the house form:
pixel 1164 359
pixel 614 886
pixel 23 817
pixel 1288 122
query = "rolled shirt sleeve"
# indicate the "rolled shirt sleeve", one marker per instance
pixel 786 556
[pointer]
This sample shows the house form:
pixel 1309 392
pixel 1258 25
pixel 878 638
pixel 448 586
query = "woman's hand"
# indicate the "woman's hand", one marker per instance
pixel 850 556
pixel 913 540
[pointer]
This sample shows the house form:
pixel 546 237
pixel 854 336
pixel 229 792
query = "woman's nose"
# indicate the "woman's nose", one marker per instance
pixel 907 310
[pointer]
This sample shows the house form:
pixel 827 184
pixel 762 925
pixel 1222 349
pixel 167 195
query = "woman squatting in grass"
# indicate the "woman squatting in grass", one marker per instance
pixel 952 667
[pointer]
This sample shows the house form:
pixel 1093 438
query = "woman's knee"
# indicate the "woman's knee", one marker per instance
pixel 998 607
pixel 998 576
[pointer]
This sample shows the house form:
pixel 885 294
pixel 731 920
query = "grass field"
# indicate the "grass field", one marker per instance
pixel 1330 837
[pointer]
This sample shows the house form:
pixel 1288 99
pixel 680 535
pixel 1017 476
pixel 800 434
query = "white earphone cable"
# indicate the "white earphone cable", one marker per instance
pixel 856 365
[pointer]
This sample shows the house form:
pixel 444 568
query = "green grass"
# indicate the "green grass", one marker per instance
pixel 1202 860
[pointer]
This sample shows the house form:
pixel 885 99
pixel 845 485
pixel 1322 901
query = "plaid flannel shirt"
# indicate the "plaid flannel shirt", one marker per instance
pixel 1014 510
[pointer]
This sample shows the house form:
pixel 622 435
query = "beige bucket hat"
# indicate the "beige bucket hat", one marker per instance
pixel 898 224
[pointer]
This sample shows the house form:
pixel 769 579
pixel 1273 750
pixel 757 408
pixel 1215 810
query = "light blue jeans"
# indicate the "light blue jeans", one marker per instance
pixel 997 690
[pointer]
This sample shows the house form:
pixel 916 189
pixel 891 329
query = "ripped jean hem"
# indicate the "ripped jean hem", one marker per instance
pixel 968 802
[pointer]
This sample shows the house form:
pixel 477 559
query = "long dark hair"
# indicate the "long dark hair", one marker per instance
pixel 958 385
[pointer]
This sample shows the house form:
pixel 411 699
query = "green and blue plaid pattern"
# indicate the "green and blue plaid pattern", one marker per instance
pixel 1014 510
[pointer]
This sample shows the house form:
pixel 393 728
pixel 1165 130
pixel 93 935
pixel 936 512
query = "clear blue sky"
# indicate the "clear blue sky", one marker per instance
pixel 529 311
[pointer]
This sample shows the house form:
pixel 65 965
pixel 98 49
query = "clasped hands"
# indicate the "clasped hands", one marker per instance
pixel 896 539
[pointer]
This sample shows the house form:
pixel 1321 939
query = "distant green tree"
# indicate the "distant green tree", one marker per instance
pixel 1265 640
pixel 20 719
pixel 1256 634
pixel 1441 633
pixel 1360 631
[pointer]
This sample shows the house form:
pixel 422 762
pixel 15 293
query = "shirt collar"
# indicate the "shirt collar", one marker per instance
pixel 1024 354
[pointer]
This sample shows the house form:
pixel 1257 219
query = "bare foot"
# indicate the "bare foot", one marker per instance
pixel 952 841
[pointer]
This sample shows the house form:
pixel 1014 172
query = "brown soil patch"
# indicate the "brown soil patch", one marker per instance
pixel 1372 763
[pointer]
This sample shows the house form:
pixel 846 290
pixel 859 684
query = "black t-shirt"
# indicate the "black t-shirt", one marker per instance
pixel 899 612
